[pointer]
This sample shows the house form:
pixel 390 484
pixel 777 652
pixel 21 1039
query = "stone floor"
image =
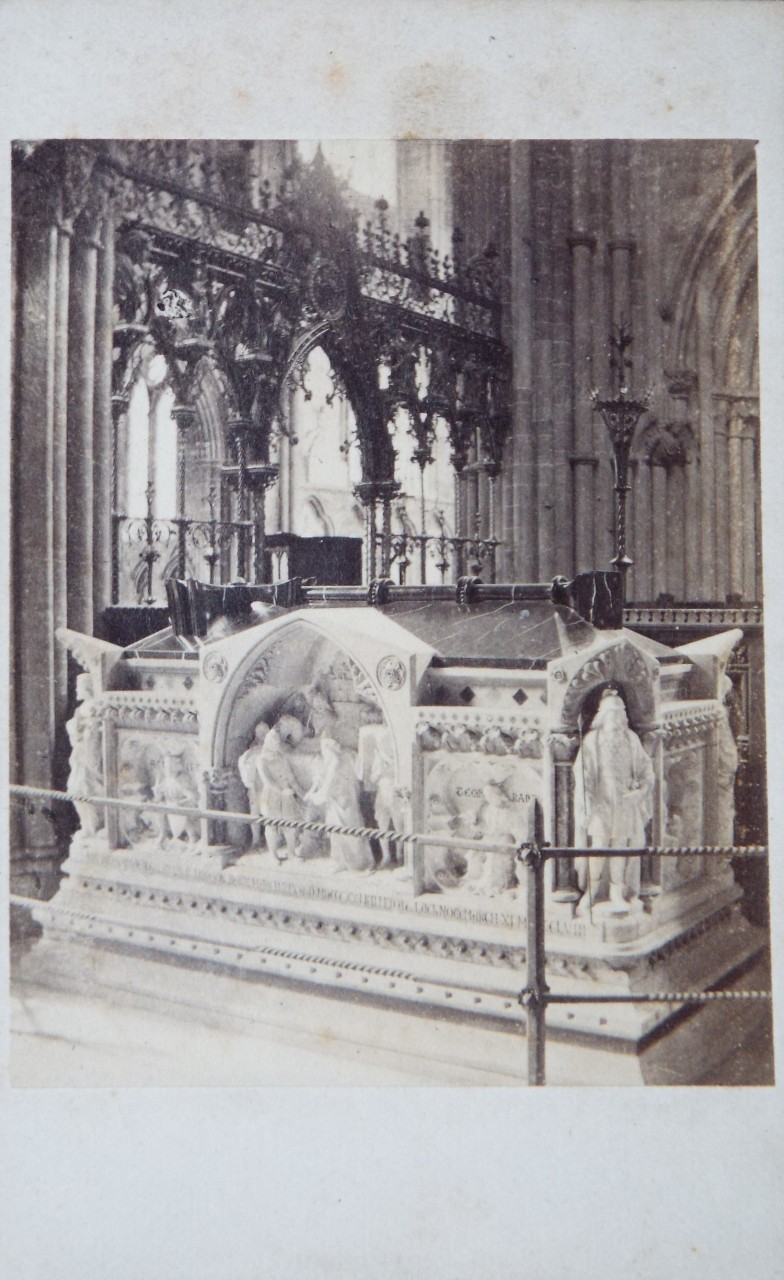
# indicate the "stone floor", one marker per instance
pixel 135 1022
pixel 84 1016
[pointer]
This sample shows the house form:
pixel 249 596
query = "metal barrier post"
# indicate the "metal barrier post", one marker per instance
pixel 533 997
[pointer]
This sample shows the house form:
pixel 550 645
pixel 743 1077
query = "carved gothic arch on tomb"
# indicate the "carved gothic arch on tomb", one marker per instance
pixel 622 666
pixel 290 651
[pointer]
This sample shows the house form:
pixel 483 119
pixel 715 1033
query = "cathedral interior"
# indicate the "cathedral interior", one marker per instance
pixel 350 362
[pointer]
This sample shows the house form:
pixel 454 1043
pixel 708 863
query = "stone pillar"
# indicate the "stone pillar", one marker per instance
pixel 563 751
pixel 632 590
pixel 691 501
pixel 741 513
pixel 676 522
pixel 583 459
pixel 461 522
pixel 103 425
pixel 38 416
pixel 652 739
pixel 724 532
pixel 660 525
pixel 81 375
pixel 709 568
pixel 119 449
pixel 621 247
pixel 644 538
pixel 50 189
pixel 735 504
pixel 471 493
pixel 58 463
pixel 506 522
pixel 184 415
pixel 750 508
pixel 748 434
pixel 368 497
pixel 259 478
pixel 621 252
pixel 599 162
pixel 562 336
pixel 681 387
pixel 542 170
pixel 524 448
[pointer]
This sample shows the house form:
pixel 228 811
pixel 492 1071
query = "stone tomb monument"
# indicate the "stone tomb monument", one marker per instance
pixel 491 713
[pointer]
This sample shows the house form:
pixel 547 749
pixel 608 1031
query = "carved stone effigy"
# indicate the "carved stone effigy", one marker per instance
pixel 85 777
pixel 614 780
pixel 354 718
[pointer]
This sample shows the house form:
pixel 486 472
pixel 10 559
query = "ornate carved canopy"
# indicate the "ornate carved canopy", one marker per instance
pixel 254 290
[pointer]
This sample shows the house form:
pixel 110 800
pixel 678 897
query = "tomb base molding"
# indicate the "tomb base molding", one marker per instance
pixel 444 954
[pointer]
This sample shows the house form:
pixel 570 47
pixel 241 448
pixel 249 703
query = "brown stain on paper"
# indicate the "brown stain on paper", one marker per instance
pixel 336 77
pixel 437 97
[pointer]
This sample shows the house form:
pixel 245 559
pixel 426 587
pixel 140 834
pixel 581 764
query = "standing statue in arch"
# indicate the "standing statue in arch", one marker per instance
pixel 726 769
pixel 613 802
pixel 85 734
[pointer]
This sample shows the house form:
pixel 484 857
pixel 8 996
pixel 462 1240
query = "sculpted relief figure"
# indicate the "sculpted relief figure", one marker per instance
pixel 613 801
pixel 324 755
pixel 280 795
pixel 443 868
pixel 336 795
pixel 478 798
pixel 175 784
pixel 376 770
pixel 248 766
pixel 85 777
pixel 500 822
pixel 727 767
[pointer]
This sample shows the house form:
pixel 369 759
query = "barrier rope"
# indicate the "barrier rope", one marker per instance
pixel 663 851
pixel 218 815
pixel 375 833
pixel 658 997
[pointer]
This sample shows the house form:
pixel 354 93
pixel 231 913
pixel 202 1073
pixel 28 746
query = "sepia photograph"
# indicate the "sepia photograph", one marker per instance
pixel 394 715
pixel 387 658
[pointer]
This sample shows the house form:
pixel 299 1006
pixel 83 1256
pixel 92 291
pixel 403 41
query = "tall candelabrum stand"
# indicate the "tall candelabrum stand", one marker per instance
pixel 620 413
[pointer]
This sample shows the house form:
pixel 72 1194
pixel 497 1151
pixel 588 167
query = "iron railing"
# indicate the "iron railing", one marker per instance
pixel 535 997
pixel 146 550
pixel 413 558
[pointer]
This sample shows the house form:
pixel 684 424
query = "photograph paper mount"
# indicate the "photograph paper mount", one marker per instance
pixel 440 1181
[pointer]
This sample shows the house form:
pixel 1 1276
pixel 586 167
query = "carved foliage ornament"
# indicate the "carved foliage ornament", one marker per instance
pixel 143 713
pixel 259 672
pixel 496 740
